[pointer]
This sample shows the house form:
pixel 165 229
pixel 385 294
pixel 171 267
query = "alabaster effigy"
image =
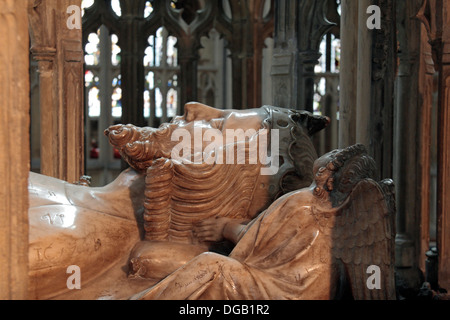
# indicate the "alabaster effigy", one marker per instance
pixel 218 204
pixel 172 205
pixel 309 244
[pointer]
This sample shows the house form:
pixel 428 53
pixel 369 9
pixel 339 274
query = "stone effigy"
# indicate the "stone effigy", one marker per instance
pixel 182 192
pixel 153 210
pixel 307 245
pixel 209 219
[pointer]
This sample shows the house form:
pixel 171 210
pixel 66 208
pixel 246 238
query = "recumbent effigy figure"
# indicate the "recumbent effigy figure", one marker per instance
pixel 219 182
pixel 153 209
pixel 307 245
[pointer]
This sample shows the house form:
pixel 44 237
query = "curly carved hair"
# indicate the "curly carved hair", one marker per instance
pixel 347 167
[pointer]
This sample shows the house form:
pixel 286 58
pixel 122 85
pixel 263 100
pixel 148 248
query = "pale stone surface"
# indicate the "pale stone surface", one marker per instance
pixel 14 158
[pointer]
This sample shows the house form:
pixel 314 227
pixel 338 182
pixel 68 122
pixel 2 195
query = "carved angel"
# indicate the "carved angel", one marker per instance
pixel 309 244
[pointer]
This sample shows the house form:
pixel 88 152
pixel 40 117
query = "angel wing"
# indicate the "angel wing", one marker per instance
pixel 363 240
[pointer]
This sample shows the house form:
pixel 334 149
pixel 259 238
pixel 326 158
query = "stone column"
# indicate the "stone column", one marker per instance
pixel 363 75
pixel 442 46
pixel 435 16
pixel 368 67
pixel 299 29
pixel 382 86
pixel 307 60
pixel 284 62
pixel 246 32
pixel 106 118
pixel 188 61
pixel 45 58
pixel 348 74
pixel 426 88
pixel 15 155
pixel 132 67
pixel 405 159
pixel 411 144
pixel 58 50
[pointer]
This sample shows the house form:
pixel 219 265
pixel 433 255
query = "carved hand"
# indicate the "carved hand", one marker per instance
pixel 220 228
pixel 211 229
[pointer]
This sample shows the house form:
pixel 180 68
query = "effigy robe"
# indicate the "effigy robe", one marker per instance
pixel 283 254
